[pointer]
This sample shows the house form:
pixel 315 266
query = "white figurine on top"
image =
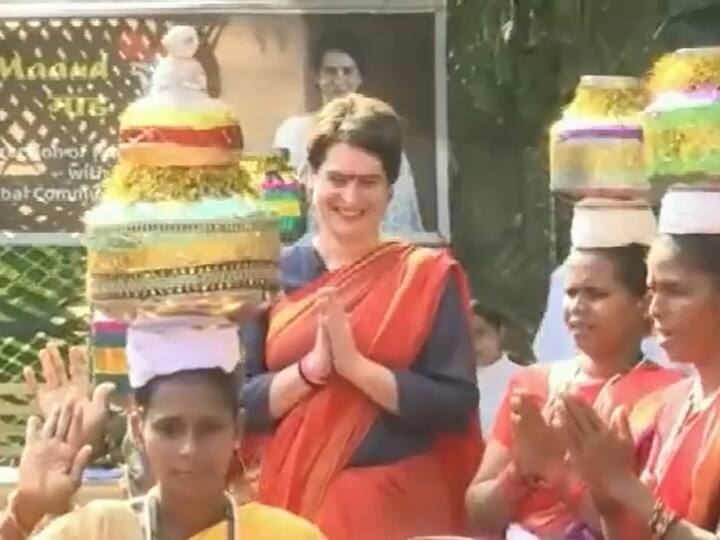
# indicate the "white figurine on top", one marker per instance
pixel 180 70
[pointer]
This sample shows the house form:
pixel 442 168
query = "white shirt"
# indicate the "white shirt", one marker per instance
pixel 492 381
pixel 402 215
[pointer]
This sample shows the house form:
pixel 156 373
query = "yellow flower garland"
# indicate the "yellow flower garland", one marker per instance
pixel 134 183
pixel 685 69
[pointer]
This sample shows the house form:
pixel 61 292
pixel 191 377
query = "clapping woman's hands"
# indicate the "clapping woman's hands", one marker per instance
pixel 318 363
pixel 334 319
pixel 538 448
pixel 602 454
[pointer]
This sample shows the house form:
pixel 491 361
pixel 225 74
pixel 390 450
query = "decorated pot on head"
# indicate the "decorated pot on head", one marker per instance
pixel 596 148
pixel 682 122
pixel 179 228
pixel 608 223
pixel 690 210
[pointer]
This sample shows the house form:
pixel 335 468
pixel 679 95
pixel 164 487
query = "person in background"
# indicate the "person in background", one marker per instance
pixel 337 66
pixel 553 340
pixel 494 366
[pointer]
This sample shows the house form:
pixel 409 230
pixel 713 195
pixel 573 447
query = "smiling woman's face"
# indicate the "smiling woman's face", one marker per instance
pixel 350 193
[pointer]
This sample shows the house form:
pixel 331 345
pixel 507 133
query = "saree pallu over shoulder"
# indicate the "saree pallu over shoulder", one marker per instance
pixel 705 493
pixel 640 392
pixel 376 291
pixel 687 457
pixel 391 297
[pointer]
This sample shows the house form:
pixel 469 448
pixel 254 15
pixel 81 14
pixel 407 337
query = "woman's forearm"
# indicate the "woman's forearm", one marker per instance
pixel 684 530
pixel 286 390
pixel 628 528
pixel 623 526
pixel 9 531
pixel 376 381
pixel 633 523
pixel 490 502
pixel 19 518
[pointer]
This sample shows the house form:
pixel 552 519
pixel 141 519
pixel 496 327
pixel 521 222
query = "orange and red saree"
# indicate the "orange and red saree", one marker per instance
pixel 684 465
pixel 391 297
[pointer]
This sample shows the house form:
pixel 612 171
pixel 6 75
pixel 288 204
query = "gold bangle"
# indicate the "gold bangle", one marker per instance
pixel 661 520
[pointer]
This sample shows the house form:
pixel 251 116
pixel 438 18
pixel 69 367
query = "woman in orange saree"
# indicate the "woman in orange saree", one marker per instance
pixel 677 495
pixel 364 388
pixel 524 480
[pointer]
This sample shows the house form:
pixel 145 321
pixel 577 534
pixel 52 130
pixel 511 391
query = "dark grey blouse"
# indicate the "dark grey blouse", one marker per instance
pixel 438 393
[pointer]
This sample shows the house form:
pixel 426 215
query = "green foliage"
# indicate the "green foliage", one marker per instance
pixel 41 298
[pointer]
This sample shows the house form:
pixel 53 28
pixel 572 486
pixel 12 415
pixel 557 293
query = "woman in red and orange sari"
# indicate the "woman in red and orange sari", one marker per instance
pixel 524 480
pixel 365 386
pixel 677 495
